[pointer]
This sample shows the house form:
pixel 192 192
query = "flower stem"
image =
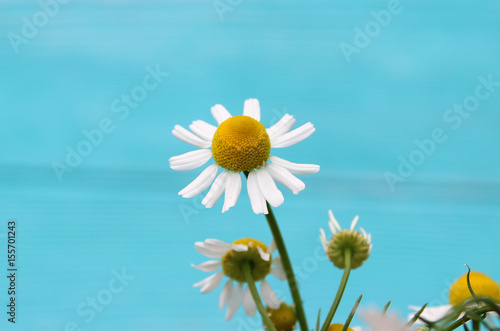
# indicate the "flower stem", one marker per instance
pixel 467 318
pixel 292 283
pixel 340 292
pixel 256 298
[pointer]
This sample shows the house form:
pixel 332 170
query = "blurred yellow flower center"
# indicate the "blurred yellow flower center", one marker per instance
pixel 232 262
pixel 241 143
pixel 283 318
pixel 482 285
pixel 337 327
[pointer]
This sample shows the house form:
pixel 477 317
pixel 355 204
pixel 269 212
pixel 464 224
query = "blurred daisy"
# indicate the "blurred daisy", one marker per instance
pixel 231 258
pixel 482 285
pixel 242 144
pixel 384 321
pixel 359 243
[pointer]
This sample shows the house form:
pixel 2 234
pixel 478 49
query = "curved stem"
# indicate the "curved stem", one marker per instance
pixel 467 318
pixel 292 283
pixel 260 307
pixel 340 292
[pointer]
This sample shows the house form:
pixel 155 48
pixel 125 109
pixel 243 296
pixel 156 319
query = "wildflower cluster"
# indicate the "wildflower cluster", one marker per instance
pixel 241 147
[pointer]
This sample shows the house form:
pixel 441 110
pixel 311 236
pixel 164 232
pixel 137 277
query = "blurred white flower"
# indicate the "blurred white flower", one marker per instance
pixel 231 257
pixel 384 322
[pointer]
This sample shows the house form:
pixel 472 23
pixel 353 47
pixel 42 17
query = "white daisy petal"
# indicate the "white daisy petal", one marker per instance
pixel 293 137
pixel 268 188
pixel 190 160
pixel 334 221
pixel 208 251
pixel 240 248
pixel 210 283
pixel 295 168
pixel 285 177
pixel 219 244
pixel 431 313
pixel 278 271
pixel 227 290
pixel 216 190
pixel 354 221
pixel 188 137
pixel 201 182
pixel 324 242
pixel 363 232
pixel 232 192
pixel 208 266
pixel 220 113
pixel 251 108
pixel 272 247
pixel 234 302
pixel 203 130
pixel 248 303
pixel 281 127
pixel 257 200
pixel 268 295
pixel 263 255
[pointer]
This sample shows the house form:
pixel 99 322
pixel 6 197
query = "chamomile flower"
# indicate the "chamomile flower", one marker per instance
pixel 385 321
pixel 242 144
pixel 482 285
pixel 231 257
pixel 359 243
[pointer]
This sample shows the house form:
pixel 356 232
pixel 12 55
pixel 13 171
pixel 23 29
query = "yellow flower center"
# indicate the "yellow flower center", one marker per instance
pixel 283 318
pixel 241 143
pixel 482 285
pixel 232 262
pixel 337 327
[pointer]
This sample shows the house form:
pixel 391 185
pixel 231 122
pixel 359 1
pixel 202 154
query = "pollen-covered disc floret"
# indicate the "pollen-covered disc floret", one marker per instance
pixel 283 318
pixel 482 285
pixel 359 243
pixel 241 144
pixel 231 257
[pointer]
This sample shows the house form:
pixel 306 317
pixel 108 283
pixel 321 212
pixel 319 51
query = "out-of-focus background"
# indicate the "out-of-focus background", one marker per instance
pixel 404 95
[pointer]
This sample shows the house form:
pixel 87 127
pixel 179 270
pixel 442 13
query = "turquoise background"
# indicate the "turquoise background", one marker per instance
pixel 118 209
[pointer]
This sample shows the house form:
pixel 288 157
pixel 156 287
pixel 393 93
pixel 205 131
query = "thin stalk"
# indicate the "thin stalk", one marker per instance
pixel 258 302
pixel 466 318
pixel 340 292
pixel 292 283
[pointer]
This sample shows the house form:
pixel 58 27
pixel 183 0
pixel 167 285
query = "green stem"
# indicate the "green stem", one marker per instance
pixel 466 318
pixel 475 325
pixel 260 307
pixel 292 283
pixel 340 292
